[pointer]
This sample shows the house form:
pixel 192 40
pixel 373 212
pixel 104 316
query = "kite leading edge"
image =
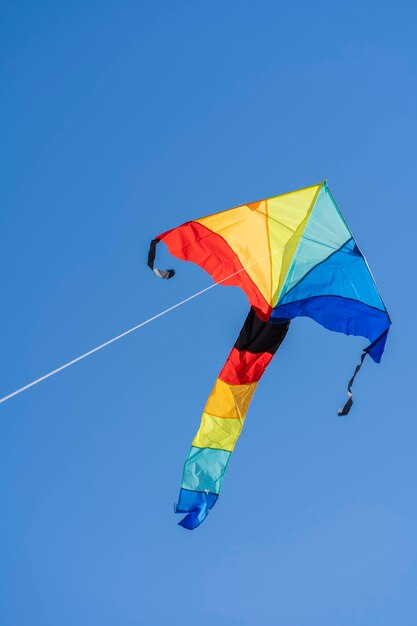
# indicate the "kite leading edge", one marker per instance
pixel 294 256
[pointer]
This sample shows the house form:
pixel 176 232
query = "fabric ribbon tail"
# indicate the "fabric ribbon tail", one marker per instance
pixel 165 274
pixel 375 351
pixel 345 410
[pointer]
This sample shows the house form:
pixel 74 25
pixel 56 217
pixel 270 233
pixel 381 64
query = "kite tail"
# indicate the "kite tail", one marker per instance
pixel 224 415
pixel 375 351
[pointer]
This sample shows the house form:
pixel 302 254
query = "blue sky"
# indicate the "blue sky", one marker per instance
pixel 119 121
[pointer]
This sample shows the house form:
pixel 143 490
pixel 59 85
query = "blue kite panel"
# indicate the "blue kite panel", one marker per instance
pixel 344 273
pixel 341 315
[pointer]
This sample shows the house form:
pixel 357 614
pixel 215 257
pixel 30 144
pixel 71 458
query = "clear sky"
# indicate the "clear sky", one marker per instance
pixel 121 120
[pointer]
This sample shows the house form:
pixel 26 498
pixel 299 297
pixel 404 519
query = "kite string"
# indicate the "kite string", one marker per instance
pixel 125 333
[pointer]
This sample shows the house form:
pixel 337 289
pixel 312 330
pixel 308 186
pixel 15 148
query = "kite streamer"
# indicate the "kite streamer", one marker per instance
pixel 224 415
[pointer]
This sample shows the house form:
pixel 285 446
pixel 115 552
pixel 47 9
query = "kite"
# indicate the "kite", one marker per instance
pixel 293 255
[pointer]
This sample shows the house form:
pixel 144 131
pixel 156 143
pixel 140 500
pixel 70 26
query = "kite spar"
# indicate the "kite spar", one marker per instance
pixel 294 256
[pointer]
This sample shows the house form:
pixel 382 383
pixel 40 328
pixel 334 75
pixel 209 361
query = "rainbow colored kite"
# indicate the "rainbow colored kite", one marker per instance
pixel 293 255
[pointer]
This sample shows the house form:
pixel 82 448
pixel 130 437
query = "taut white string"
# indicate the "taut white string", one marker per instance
pixel 125 333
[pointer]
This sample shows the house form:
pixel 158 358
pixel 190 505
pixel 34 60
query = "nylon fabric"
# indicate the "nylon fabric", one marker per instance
pixel 345 274
pixel 204 469
pixel 218 432
pixel 219 429
pixel 194 242
pixel 245 231
pixel 229 401
pixel 197 505
pixel 350 317
pixel 244 367
pixel 294 256
pixel 325 233
pixel 287 217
